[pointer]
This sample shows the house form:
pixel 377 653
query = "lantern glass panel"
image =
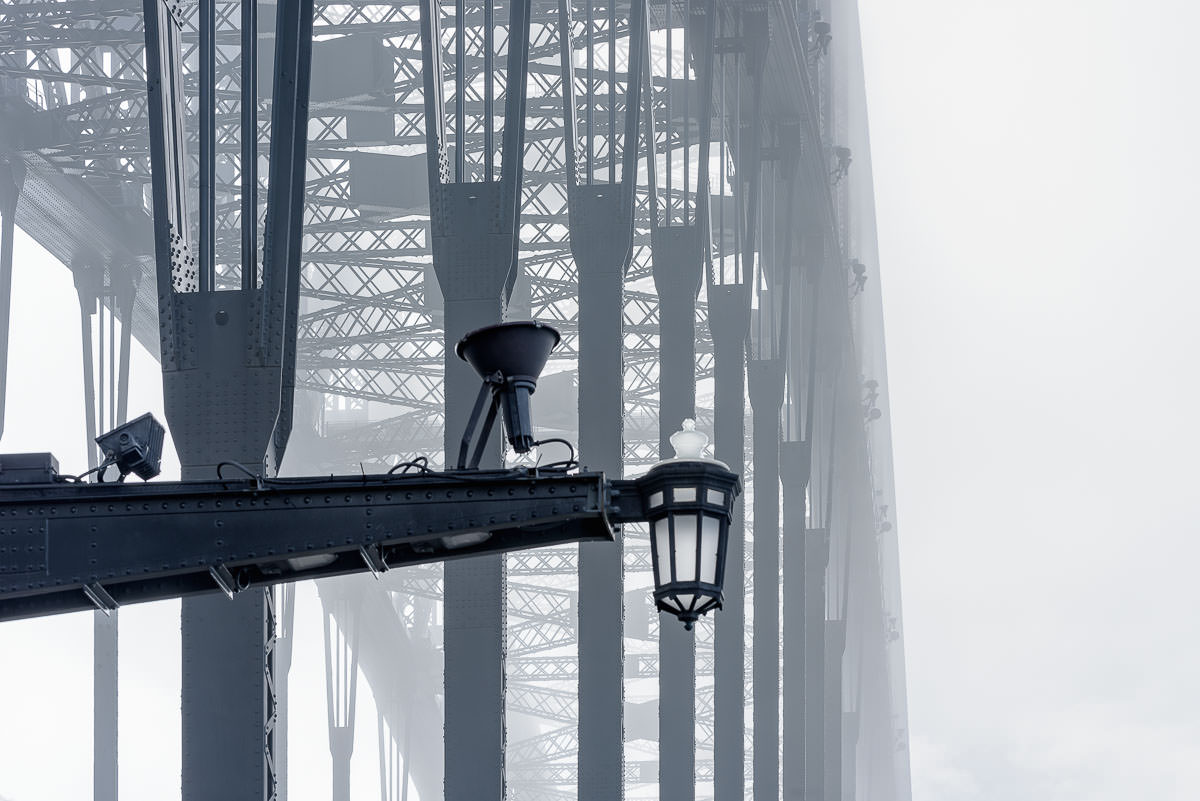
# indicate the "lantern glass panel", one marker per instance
pixel 685 602
pixel 710 535
pixel 685 547
pixel 716 497
pixel 685 494
pixel 662 547
pixel 656 499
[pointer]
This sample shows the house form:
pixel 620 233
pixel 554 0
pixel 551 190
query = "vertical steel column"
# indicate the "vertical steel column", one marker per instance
pixel 680 250
pixel 765 382
pixel 87 277
pixel 12 178
pixel 795 459
pixel 124 284
pixel 816 560
pixel 106 366
pixel 394 753
pixel 475 607
pixel 729 323
pixel 285 634
pixel 848 486
pixel 226 662
pixel 601 228
pixel 765 378
pixel 474 229
pixel 104 709
pixel 228 361
pixel 851 722
pixel 249 145
pixel 106 402
pixel 207 22
pixel 794 462
pixel 835 648
pixel 341 597
pixel 677 275
pixel 823 388
pixel 601 258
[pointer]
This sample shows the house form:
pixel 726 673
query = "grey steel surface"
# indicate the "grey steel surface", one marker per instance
pixel 166 539
pixel 475 229
pixel 601 216
pixel 794 464
pixel 729 320
pixel 105 707
pixel 677 276
pixel 12 178
pixel 370 331
pixel 764 379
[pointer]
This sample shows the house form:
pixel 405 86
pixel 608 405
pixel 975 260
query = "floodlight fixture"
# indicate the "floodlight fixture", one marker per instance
pixel 135 447
pixel 509 357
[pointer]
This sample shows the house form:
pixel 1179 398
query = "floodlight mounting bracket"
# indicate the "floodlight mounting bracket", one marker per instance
pixel 489 388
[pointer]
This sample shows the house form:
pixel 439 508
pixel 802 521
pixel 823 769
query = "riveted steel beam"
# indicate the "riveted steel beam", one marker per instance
pixel 161 540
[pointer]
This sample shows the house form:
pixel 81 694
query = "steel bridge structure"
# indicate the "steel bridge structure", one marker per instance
pixel 683 189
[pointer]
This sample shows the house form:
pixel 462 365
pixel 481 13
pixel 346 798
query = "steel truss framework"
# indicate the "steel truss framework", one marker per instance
pixel 791 221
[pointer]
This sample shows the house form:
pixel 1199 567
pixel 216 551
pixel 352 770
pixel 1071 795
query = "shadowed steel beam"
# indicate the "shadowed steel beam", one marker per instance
pixel 729 322
pixel 793 470
pixel 341 600
pixel 677 276
pixel 600 221
pixel 679 241
pixel 104 706
pixel 12 176
pixel 285 639
pixel 765 382
pixel 228 363
pixel 148 542
pixel 475 237
pixel 106 397
pixel 834 632
pixel 814 659
pixel 207 21
pixel 249 146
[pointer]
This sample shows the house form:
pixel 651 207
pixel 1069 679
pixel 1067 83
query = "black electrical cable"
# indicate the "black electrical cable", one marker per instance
pixel 241 468
pixel 421 464
pixel 77 479
pixel 560 466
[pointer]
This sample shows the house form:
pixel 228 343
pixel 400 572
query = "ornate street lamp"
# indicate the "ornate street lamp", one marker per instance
pixel 688 502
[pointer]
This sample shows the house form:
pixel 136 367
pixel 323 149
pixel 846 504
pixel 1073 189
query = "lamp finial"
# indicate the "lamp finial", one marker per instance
pixel 688 442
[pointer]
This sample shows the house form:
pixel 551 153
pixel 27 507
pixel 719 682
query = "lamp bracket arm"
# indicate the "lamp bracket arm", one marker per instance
pixel 625 502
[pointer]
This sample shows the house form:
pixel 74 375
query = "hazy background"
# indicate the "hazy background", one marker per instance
pixel 1037 191
pixel 1036 179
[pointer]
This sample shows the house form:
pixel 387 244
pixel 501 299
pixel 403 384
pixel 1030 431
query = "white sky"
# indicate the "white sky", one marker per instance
pixel 1037 191
pixel 1036 180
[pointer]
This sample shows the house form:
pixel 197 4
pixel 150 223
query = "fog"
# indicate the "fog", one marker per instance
pixel 1037 186
pixel 1036 183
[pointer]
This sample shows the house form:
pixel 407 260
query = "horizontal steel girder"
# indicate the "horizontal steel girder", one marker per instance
pixel 72 546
